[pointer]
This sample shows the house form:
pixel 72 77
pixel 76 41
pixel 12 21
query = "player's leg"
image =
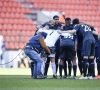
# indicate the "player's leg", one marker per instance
pixel 74 66
pixel 52 59
pixel 80 61
pixel 57 51
pixel 61 63
pixel 97 55
pixel 91 59
pixel 53 65
pixel 22 62
pixel 46 66
pixel 32 68
pixel 86 52
pixel 72 53
pixel 43 65
pixel 69 67
pixel 62 56
pixel 65 69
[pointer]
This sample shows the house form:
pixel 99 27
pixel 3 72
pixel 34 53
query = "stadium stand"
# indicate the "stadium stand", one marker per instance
pixel 13 23
pixel 17 29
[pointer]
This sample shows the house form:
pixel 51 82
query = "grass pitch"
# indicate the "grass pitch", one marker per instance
pixel 13 79
pixel 24 82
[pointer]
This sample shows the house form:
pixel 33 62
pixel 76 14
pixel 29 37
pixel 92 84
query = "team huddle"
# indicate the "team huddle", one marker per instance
pixel 58 43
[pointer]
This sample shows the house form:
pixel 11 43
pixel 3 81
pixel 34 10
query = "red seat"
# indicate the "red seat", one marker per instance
pixel 20 27
pixel 7 45
pixel 1 4
pixel 11 21
pixel 30 21
pixel 15 4
pixel 6 20
pixel 4 26
pixel 11 45
pixel 2 15
pixel 10 27
pixel 25 21
pixel 1 21
pixel 21 45
pixel 5 4
pixel 10 4
pixel 7 15
pixel 93 2
pixel 18 10
pixel 14 10
pixel 16 21
pixel 19 4
pixel 17 15
pixel 25 27
pixel 1 26
pixel 4 9
pixel 16 44
pixel 97 18
pixel 15 27
pixel 12 15
pixel 97 24
pixel 20 21
pixel 9 9
pixel 22 15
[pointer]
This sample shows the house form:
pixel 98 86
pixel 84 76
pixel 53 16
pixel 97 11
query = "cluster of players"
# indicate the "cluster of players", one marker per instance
pixel 60 43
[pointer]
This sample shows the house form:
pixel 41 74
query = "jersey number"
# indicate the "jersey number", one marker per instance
pixel 71 36
pixel 86 28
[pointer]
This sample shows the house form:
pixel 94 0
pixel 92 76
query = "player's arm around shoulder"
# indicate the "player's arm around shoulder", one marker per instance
pixel 41 41
pixel 68 31
pixel 95 32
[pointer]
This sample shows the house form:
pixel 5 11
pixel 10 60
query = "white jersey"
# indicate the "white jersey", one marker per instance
pixel 67 35
pixel 52 37
pixel 46 31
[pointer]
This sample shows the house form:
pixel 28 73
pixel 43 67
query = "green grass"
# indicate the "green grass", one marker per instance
pixel 24 82
pixel 19 79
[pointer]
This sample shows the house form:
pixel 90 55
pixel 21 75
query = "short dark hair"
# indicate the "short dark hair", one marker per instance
pixel 67 19
pixel 55 16
pixel 75 21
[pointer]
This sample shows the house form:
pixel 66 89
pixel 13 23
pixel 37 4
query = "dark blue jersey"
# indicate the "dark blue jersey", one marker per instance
pixel 70 27
pixel 43 25
pixel 50 26
pixel 85 31
pixel 97 41
pixel 57 26
pixel 80 41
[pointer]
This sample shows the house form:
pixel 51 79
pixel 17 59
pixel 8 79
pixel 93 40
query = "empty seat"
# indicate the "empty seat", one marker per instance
pixel 1 4
pixel 14 10
pixel 2 15
pixel 1 26
pixel 16 44
pixel 9 9
pixel 5 4
pixel 7 15
pixel 11 45
pixel 21 45
pixel 12 15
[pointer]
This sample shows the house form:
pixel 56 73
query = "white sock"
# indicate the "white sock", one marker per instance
pixel 53 65
pixel 43 67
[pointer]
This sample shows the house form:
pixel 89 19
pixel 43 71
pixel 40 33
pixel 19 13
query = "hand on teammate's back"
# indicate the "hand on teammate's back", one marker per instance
pixel 59 31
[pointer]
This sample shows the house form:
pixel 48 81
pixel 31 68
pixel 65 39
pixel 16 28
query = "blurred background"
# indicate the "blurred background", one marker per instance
pixel 19 19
